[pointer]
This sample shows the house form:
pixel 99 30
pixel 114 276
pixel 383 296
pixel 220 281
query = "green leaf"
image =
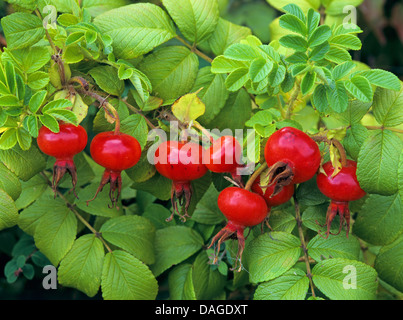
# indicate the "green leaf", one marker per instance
pixel 382 78
pixel 28 59
pixel 343 69
pixel 387 107
pixel 133 234
pixel 22 30
pixel 171 70
pixel 196 20
pixel 380 221
pixel 293 23
pixel 100 205
pixel 388 264
pixel 50 122
pixel 163 192
pixel 295 10
pixel 31 190
pixel 337 97
pixel 207 211
pixel 173 245
pixel 295 42
pixel 8 139
pixel 222 64
pixel 319 98
pixel 176 281
pixel 347 41
pixel 9 182
pixel 291 285
pixel 136 126
pixel 8 211
pixel 66 116
pixel 360 88
pixel 313 19
pixel 236 111
pixel 355 137
pixel 126 278
pixel 24 138
pixel 73 54
pixel 213 93
pixel 241 52
pixel 320 35
pixel 107 79
pixel 333 247
pixel 378 161
pixel 57 104
pixel 206 281
pixel 9 100
pixel 319 52
pixel 308 82
pixel 269 256
pixel 81 268
pixel 226 34
pixel 23 163
pixel 55 234
pixel 260 69
pixel 337 55
pixel 37 100
pixel 136 29
pixel 343 279
pixel 237 79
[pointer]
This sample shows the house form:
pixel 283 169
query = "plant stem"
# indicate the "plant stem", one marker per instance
pixel 203 130
pixel 109 109
pixel 78 215
pixel 134 109
pixel 47 33
pixel 303 245
pixel 195 50
pixel 292 100
pixel 248 185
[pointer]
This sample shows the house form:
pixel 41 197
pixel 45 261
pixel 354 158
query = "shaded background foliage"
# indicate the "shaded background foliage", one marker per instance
pixel 382 39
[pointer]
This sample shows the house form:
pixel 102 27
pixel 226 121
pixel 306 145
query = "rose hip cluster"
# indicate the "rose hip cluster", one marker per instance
pixel 115 151
pixel 292 157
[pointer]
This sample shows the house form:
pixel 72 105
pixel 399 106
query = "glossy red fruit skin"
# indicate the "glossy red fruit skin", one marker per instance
pixel 115 152
pixel 243 209
pixel 283 196
pixel 69 141
pixel 342 187
pixel 64 145
pixel 224 155
pixel 180 162
pixel 295 148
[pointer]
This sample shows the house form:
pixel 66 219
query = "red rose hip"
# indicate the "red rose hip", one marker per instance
pixel 341 189
pixel 181 162
pixel 114 152
pixel 64 145
pixel 293 157
pixel 243 209
pixel 224 155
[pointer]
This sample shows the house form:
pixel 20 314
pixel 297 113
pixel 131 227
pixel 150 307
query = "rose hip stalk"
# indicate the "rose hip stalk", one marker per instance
pixel 180 162
pixel 64 145
pixel 243 209
pixel 115 152
pixel 224 155
pixel 341 189
pixel 293 157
